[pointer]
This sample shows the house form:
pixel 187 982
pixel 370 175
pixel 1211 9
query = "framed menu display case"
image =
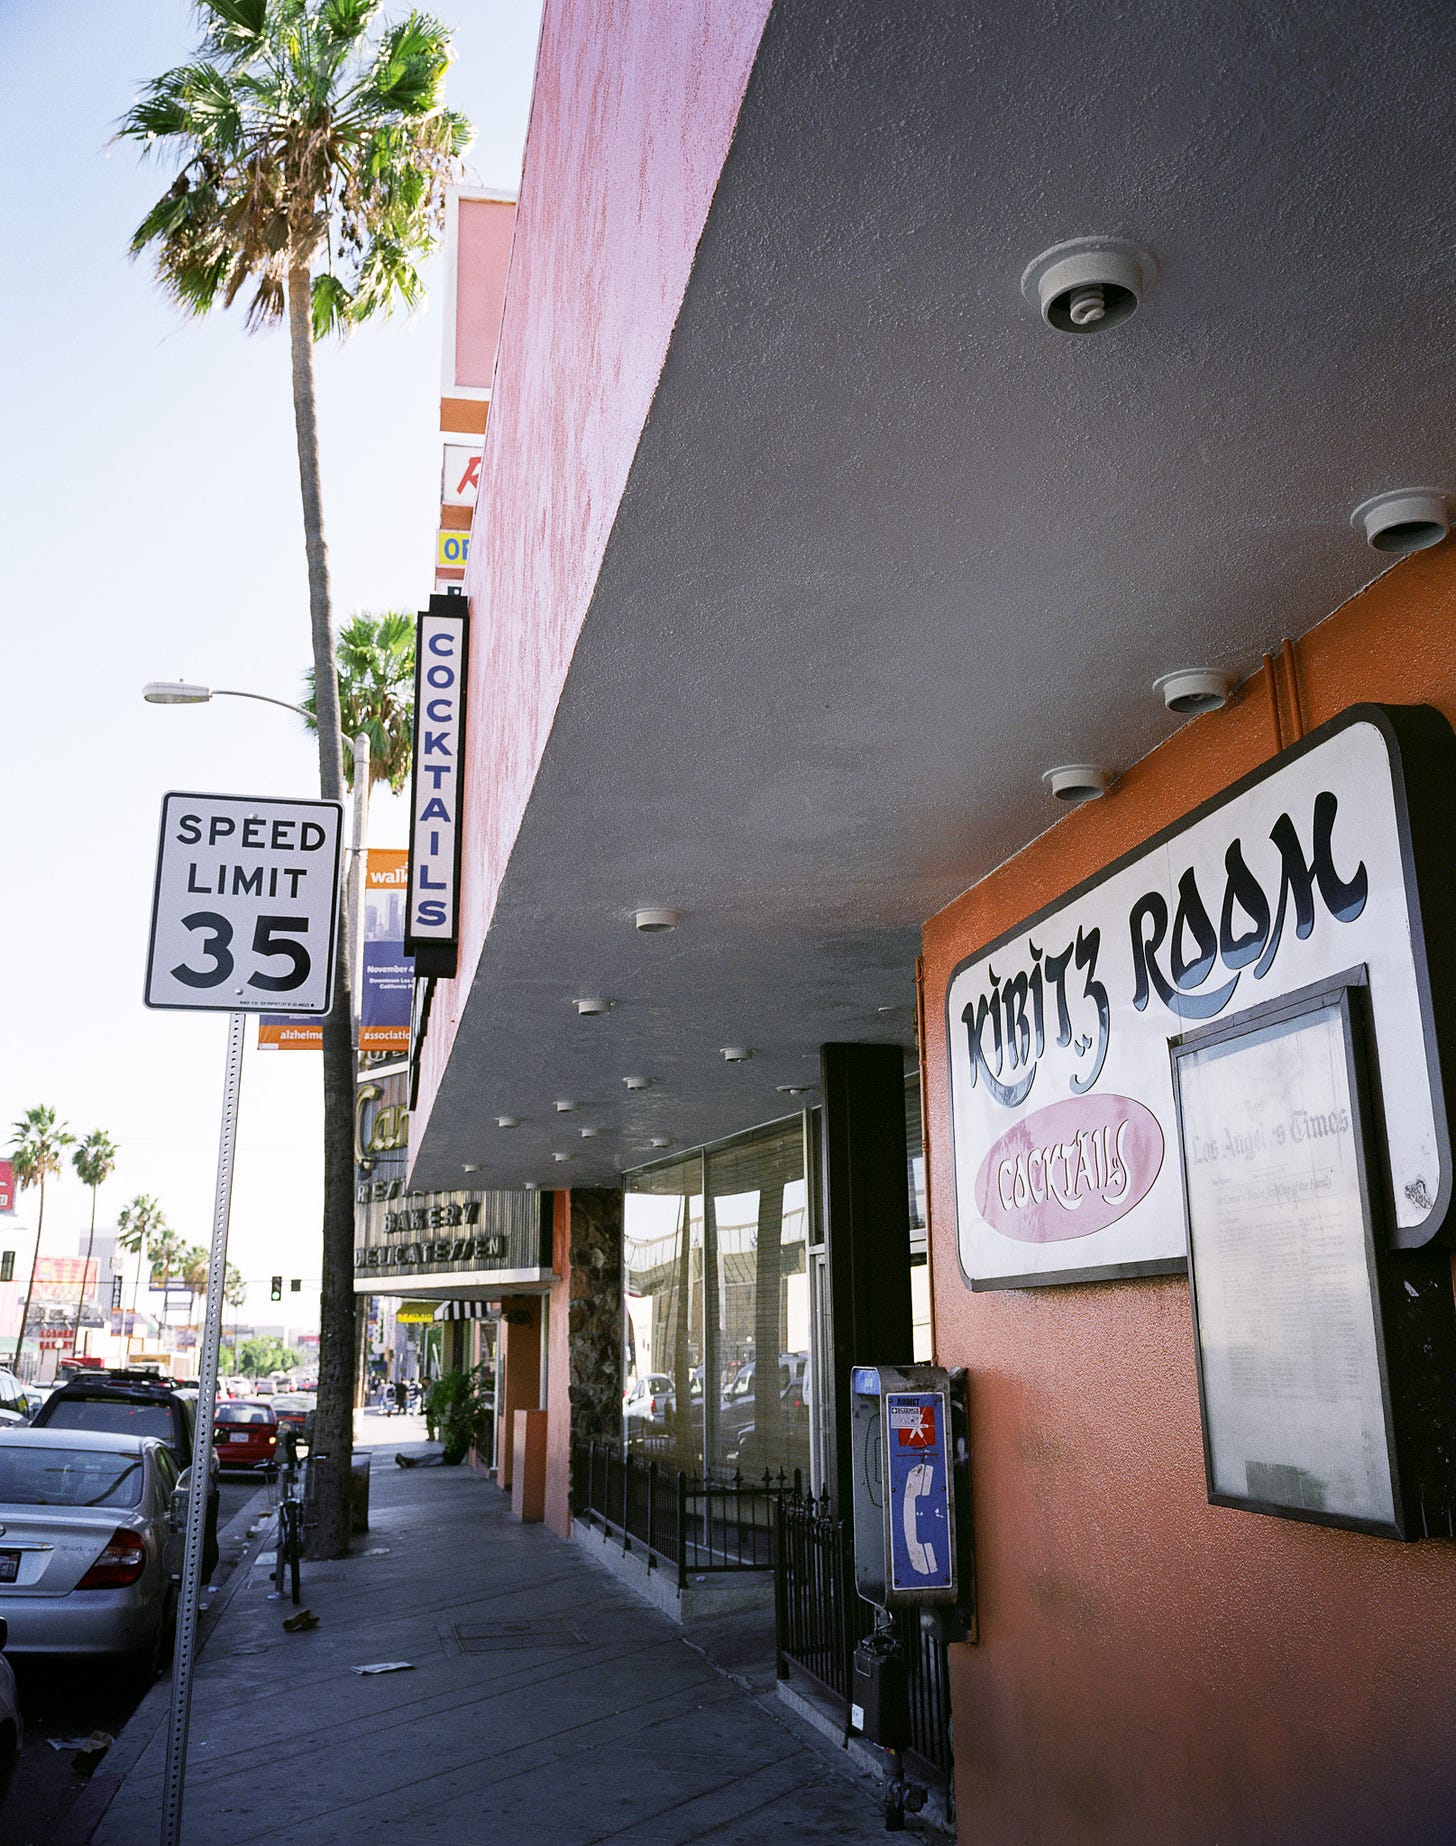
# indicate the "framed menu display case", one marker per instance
pixel 1285 1262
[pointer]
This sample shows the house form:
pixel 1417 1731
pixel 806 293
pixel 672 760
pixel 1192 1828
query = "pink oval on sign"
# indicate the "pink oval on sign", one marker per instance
pixel 1070 1169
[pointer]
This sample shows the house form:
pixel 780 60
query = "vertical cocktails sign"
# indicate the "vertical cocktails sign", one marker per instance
pixel 432 925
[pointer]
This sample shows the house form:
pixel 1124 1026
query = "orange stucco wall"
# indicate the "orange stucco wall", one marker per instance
pixel 1152 1668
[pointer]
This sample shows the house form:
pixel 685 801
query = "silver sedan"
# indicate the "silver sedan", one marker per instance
pixel 90 1543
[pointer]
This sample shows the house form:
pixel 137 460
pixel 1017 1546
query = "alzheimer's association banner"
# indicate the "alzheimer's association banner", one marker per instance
pixel 388 972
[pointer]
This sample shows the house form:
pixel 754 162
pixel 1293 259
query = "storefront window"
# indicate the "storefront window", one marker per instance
pixel 759 1416
pixel 708 1294
pixel 920 1329
pixel 662 1261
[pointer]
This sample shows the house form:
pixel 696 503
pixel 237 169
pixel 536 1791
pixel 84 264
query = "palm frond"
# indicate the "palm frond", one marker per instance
pixel 346 21
pixel 234 28
pixel 330 305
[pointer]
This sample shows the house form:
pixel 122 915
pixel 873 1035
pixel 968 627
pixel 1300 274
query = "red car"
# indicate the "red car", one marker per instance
pixel 245 1432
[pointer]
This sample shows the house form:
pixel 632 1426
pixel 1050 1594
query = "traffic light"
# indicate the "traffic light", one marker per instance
pixel 275 1292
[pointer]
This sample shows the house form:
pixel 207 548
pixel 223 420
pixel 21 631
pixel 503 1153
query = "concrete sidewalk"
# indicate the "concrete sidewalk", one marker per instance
pixel 545 1703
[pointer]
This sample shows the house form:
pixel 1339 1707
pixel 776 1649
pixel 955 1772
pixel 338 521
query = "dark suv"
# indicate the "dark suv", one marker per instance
pixel 136 1404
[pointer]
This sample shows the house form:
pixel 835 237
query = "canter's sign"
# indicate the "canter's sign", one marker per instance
pixel 460 480
pixel 1335 857
pixel 246 906
pixel 432 916
pixel 452 550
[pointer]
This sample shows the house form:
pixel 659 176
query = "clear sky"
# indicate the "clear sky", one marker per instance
pixel 150 524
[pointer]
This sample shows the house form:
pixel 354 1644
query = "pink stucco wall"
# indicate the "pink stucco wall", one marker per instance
pixel 483 256
pixel 633 114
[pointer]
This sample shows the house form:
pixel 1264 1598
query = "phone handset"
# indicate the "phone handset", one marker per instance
pixel 918 1484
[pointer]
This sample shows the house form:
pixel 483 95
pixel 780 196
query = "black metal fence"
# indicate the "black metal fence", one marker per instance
pixel 689 1523
pixel 820 1619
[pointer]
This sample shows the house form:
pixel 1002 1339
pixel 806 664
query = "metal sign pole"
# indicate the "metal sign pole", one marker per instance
pixel 186 1647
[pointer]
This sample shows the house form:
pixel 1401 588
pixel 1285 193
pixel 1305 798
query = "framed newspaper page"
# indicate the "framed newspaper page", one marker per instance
pixel 1274 1118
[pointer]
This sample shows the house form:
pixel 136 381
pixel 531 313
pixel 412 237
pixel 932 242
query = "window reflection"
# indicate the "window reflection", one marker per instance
pixel 717 1308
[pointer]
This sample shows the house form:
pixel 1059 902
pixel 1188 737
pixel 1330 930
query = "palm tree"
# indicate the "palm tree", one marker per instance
pixel 312 168
pixel 193 1266
pixel 94 1161
pixel 376 693
pixel 40 1141
pixel 137 1225
pixel 234 1293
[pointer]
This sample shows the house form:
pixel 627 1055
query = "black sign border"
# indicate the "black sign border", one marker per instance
pixel 439 955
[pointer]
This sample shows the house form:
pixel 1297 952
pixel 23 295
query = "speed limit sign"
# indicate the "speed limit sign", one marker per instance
pixel 246 907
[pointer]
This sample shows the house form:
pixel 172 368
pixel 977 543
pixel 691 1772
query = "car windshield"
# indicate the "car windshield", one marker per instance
pixel 68 1477
pixel 243 1413
pixel 112 1414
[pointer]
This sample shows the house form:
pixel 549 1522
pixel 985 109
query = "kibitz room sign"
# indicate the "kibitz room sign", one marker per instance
pixel 1338 855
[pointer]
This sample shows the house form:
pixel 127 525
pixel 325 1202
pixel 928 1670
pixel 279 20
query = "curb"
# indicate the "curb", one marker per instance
pixel 88 1810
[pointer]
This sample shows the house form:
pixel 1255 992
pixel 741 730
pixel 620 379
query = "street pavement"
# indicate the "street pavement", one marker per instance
pixel 543 1701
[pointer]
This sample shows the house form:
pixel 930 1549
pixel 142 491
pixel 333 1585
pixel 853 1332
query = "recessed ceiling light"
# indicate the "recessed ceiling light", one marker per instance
pixel 1407 520
pixel 1193 689
pixel 1075 783
pixel 661 1141
pixel 652 922
pixel 887 1009
pixel 470 1167
pixel 561 1156
pixel 638 1083
pixel 564 1105
pixel 587 1133
pixel 507 1121
pixel 1088 284
pixel 736 1054
pixel 589 1008
pixel 793 1089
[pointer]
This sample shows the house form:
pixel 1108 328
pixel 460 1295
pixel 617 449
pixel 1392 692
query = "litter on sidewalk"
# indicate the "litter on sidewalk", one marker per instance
pixel 388 1666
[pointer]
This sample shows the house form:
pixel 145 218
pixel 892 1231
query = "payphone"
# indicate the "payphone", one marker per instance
pixel 905 1553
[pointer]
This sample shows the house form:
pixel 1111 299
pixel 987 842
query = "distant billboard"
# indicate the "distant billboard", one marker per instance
pixel 7 1186
pixel 388 971
pixel 68 1272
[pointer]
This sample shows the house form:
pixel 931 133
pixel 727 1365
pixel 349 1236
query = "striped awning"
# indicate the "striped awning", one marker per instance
pixel 462 1310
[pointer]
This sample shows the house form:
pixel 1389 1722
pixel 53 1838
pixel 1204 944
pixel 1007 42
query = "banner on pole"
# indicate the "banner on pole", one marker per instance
pixel 389 974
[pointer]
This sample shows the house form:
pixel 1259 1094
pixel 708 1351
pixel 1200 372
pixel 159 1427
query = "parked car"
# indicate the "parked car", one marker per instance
pixel 294 1408
pixel 738 1411
pixel 90 1543
pixel 245 1433
pixel 136 1403
pixel 16 1403
pixel 650 1400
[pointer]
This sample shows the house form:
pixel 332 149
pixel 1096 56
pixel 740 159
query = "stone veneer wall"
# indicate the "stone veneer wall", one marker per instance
pixel 584 1389
pixel 595 1314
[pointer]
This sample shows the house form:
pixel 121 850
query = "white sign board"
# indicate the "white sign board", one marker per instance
pixel 460 481
pixel 246 905
pixel 1285 1284
pixel 431 919
pixel 1065 1143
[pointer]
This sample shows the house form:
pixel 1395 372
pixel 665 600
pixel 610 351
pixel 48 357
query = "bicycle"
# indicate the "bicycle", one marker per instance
pixel 290 1513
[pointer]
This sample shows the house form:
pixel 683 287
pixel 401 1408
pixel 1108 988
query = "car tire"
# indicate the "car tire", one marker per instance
pixel 9 1757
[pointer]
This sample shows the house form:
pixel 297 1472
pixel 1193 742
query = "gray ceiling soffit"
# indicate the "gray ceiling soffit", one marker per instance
pixel 890 548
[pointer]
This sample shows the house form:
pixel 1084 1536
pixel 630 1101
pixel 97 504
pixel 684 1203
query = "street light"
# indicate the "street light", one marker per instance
pixel 185 692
